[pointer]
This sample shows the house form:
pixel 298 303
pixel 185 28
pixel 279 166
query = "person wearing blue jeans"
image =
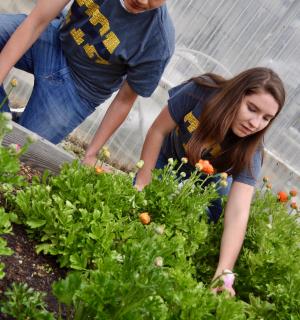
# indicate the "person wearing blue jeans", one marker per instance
pixel 222 121
pixel 80 59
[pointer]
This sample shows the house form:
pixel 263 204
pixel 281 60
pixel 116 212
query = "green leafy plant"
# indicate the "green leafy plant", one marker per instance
pixel 163 269
pixel 5 227
pixel 9 180
pixel 23 302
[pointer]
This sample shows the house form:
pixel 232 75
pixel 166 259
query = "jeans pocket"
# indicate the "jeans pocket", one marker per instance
pixel 63 78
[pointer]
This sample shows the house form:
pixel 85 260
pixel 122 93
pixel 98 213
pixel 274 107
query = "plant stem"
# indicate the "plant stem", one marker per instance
pixel 6 97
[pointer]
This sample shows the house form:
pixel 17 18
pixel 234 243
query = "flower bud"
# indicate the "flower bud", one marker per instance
pixel 265 179
pixel 131 175
pixel 183 174
pixel 294 205
pixel 14 147
pixel 184 160
pixel 224 175
pixel 159 229
pixel 144 218
pixel 106 154
pixel 9 126
pixel 140 164
pixel 7 116
pixel 159 262
pixel 171 161
pixel 14 82
pixel 32 138
pixel 223 183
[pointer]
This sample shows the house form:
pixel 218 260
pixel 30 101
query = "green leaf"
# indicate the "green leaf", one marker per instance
pixel 65 289
pixel 35 223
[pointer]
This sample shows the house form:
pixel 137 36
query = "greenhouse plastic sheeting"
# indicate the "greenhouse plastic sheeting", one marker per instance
pixel 225 37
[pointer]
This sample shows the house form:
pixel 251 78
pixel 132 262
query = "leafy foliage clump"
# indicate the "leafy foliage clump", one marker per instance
pixel 9 180
pixel 127 270
pixel 23 302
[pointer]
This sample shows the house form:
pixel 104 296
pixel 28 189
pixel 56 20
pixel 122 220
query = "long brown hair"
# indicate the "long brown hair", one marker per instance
pixel 220 111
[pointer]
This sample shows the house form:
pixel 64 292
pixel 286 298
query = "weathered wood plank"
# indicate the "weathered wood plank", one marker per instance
pixel 42 154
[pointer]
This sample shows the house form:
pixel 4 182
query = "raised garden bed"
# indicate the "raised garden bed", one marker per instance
pixel 123 269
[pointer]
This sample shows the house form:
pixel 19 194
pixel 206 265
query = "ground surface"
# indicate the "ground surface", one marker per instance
pixel 38 271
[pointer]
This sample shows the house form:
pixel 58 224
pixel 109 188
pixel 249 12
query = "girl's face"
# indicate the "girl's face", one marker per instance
pixel 138 6
pixel 255 113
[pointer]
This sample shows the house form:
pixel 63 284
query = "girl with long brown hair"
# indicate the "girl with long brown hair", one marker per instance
pixel 223 121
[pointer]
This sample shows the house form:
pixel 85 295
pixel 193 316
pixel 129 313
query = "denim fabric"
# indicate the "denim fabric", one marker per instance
pixel 54 108
pixel 215 209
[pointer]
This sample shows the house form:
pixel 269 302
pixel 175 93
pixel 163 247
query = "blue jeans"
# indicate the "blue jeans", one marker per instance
pixel 54 108
pixel 215 208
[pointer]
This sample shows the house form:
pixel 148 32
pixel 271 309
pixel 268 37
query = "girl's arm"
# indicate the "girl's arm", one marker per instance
pixel 114 117
pixel 163 125
pixel 235 225
pixel 28 32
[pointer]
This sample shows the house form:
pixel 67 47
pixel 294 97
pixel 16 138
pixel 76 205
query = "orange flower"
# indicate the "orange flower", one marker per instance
pixel 99 169
pixel 293 192
pixel 206 166
pixel 282 196
pixel 144 218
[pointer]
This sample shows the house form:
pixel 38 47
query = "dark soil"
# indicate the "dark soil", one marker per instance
pixel 37 270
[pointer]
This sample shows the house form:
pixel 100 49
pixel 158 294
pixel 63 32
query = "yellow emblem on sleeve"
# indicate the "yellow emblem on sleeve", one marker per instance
pixel 192 121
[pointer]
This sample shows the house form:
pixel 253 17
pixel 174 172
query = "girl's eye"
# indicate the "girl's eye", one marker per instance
pixel 250 108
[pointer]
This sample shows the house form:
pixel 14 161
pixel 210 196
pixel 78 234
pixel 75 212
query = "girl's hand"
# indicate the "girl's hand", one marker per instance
pixel 224 282
pixel 143 178
pixel 89 160
pixel 139 187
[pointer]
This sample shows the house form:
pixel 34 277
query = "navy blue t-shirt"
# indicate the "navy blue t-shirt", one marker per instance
pixel 185 106
pixel 104 44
